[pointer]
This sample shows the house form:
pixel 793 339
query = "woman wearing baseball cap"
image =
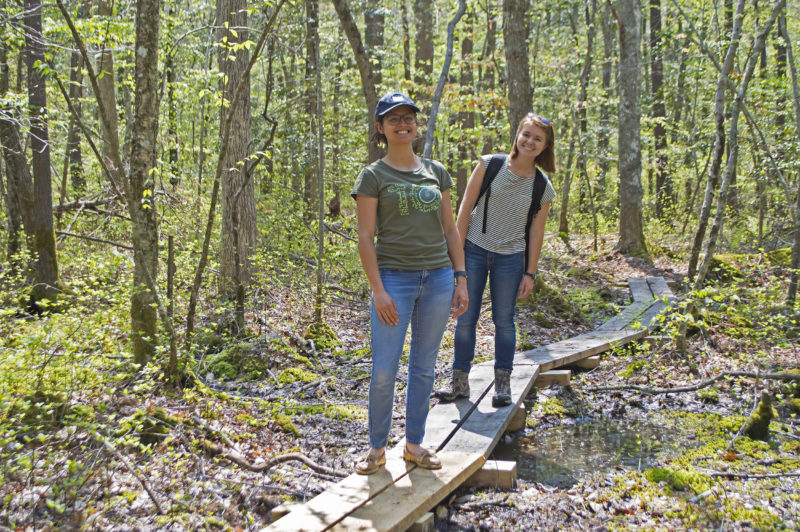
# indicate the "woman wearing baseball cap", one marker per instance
pixel 409 247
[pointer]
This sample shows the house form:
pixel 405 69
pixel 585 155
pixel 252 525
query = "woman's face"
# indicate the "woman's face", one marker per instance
pixel 531 140
pixel 399 125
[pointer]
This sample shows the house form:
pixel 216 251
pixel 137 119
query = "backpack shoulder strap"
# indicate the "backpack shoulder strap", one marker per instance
pixel 539 186
pixel 495 164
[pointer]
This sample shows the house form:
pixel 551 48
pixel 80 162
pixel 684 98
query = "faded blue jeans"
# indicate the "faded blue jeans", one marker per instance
pixel 423 299
pixel 505 275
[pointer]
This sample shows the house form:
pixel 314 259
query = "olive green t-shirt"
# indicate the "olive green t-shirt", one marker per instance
pixel 409 222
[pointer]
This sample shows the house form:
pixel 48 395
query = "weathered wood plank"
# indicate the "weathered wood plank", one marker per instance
pixel 339 500
pixel 412 495
pixel 554 377
pixel 628 314
pixel 640 290
pixel 483 428
pixel 659 288
pixel 587 363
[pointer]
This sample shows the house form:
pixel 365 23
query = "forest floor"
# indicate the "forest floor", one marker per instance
pixel 278 417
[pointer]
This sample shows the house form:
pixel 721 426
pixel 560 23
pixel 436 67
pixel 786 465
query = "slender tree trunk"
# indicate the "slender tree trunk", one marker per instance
pixel 12 156
pixel 515 36
pixel 311 169
pixel 733 144
pixel 233 63
pixel 664 192
pixel 719 147
pixel 631 232
pixel 466 118
pixel 173 140
pixel 437 95
pixel 488 68
pixel 47 284
pixel 107 97
pixel 335 205
pixel 406 40
pixel 143 213
pixel 795 265
pixel 365 71
pixel 73 159
pixel 604 132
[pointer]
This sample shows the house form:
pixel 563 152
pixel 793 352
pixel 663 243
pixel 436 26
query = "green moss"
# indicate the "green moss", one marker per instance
pixel 39 411
pixel 708 396
pixel 793 405
pixel 680 480
pixel 300 359
pixel 286 425
pixel 340 412
pixel 554 407
pixel 758 425
pixel 544 297
pixel 323 336
pixel 150 427
pixel 780 257
pixel 291 375
pixel 584 274
pixel 207 340
pixel 542 320
pixel 634 367
pixel 241 358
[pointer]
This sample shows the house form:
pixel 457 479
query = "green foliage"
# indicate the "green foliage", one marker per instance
pixel 757 426
pixel 708 395
pixel 286 425
pixel 290 375
pixel 679 480
pixel 323 336
pixel 634 367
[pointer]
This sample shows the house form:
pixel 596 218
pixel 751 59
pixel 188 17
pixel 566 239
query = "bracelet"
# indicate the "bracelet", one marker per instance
pixel 531 275
pixel 460 273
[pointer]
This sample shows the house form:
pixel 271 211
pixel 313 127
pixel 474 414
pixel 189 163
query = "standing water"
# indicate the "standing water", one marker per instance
pixel 560 455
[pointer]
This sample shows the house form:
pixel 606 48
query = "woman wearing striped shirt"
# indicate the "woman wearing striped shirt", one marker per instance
pixel 495 246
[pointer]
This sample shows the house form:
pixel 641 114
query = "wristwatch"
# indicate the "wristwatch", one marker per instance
pixel 460 273
pixel 531 275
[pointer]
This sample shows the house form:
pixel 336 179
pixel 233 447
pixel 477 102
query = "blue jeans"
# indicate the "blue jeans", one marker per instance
pixel 423 300
pixel 505 275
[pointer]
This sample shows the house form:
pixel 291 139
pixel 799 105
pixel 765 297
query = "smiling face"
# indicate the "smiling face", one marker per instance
pixel 531 140
pixel 398 125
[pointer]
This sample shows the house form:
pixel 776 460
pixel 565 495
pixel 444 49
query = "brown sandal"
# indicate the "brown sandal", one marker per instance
pixel 426 459
pixel 370 463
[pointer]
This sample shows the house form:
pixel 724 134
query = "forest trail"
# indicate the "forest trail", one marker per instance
pixel 465 432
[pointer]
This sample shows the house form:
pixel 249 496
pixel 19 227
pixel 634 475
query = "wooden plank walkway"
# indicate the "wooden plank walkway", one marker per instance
pixel 465 432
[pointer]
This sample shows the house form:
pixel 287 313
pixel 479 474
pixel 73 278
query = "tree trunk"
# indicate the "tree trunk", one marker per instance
pixel 142 206
pixel 466 118
pixel 108 98
pixel 488 68
pixel 664 192
pixel 232 14
pixel 423 51
pixel 73 158
pixel 604 132
pixel 719 149
pixel 42 237
pixel 518 77
pixel 364 70
pixel 311 169
pixel 631 233
pixel 11 152
pixel 733 144
pixel 406 40
pixel 373 38
pixel 795 264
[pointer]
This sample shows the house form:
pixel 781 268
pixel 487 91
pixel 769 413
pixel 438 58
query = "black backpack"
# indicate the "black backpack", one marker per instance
pixel 539 185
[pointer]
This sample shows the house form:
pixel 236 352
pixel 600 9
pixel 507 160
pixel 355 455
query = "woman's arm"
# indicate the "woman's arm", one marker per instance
pixel 455 248
pixel 469 199
pixel 535 239
pixel 367 208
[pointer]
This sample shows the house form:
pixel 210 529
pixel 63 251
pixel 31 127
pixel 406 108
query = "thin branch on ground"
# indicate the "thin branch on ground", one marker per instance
pixel 241 461
pixel 700 385
pixel 143 481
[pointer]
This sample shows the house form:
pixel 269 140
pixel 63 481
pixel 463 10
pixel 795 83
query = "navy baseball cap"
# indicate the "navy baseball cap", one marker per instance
pixel 390 101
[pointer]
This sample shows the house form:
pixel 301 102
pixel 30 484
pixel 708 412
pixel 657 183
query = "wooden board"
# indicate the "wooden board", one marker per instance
pixel 587 363
pixel 640 290
pixel 624 318
pixel 338 500
pixel 576 348
pixel 483 428
pixel 411 496
pixel 554 377
pixel 660 288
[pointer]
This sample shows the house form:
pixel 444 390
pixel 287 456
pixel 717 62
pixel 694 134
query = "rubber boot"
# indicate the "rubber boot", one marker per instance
pixel 459 388
pixel 502 388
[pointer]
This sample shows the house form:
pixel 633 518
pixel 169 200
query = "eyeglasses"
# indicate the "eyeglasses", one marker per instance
pixel 545 121
pixel 395 120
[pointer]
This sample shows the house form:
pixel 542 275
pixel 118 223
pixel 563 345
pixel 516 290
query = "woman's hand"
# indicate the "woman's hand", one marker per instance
pixel 460 299
pixel 386 308
pixel 525 287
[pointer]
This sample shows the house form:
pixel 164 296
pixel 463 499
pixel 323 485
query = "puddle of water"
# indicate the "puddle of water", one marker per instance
pixel 560 455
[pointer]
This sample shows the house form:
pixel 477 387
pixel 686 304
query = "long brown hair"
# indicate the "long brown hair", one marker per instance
pixel 547 159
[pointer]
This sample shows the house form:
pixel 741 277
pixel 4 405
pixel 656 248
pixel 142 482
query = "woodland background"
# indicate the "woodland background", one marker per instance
pixel 176 211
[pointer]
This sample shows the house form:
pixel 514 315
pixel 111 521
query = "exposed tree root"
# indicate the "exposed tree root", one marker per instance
pixel 241 461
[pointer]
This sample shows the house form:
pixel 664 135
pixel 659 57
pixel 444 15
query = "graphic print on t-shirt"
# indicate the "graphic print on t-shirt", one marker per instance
pixel 420 198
